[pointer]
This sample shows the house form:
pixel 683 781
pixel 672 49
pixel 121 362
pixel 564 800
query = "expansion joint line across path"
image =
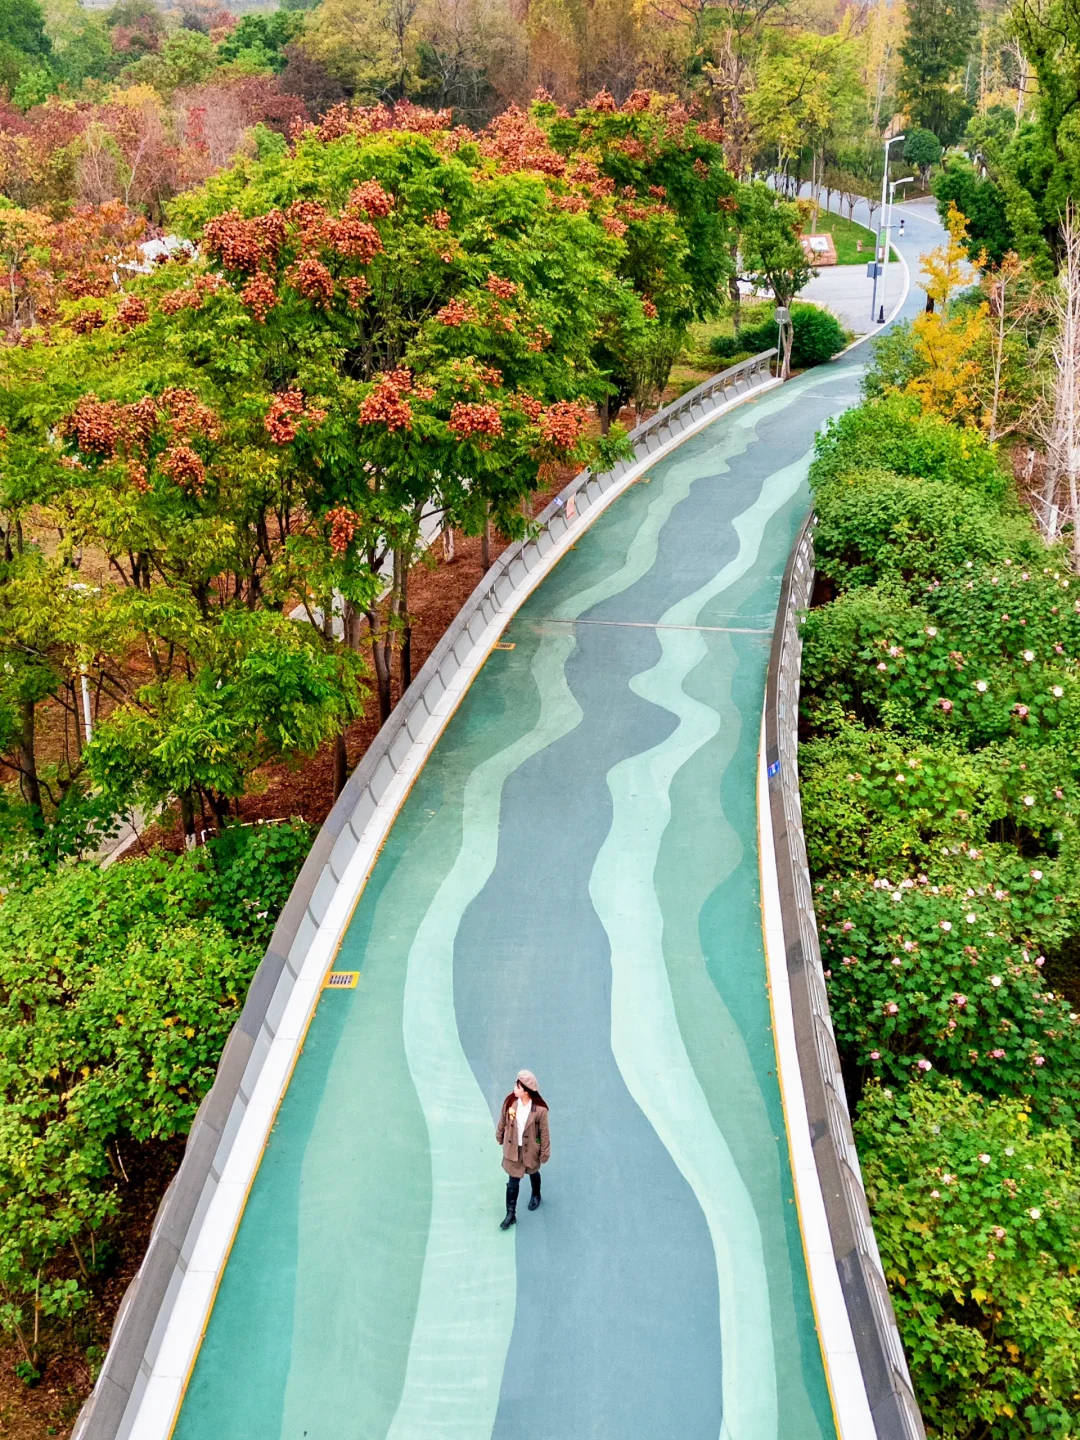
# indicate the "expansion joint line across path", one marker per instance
pixel 659 625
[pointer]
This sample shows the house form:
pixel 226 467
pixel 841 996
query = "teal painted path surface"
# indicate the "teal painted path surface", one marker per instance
pixel 571 886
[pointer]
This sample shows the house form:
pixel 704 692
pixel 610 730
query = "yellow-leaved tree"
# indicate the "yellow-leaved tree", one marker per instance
pixel 949 347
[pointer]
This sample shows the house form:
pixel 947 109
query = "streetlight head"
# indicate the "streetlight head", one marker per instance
pixel 905 181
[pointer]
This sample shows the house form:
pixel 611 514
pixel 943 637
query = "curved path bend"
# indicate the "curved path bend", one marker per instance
pixel 572 886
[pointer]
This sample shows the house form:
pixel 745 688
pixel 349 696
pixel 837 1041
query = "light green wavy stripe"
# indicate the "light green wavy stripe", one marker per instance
pixel 468 1290
pixel 679 476
pixel 645 1036
pixel 467 1297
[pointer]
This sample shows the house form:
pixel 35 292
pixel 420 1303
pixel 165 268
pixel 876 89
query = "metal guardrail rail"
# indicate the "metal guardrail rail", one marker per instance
pixel 145 1310
pixel 877 1341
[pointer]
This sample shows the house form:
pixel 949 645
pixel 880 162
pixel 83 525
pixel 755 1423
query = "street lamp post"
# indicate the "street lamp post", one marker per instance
pixel 888 241
pixel 884 183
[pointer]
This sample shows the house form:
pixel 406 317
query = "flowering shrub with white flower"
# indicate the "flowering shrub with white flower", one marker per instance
pixel 915 982
pixel 977 1216
pixel 940 773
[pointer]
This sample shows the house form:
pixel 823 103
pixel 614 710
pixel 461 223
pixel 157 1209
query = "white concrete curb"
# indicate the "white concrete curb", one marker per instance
pixel 844 1373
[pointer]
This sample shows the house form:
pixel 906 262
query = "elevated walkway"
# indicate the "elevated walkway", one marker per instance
pixel 551 860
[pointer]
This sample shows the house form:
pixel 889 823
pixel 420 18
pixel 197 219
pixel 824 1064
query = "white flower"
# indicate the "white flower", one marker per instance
pixel 970 917
pixel 882 665
pixel 1057 692
pixel 897 895
pixel 949 1179
pixel 1036 874
pixel 981 686
pixel 945 924
pixel 995 980
pixel 984 1159
pixel 935 1194
pixel 1029 799
pixel 900 779
pixel 1034 1212
pixel 931 630
pixel 1029 655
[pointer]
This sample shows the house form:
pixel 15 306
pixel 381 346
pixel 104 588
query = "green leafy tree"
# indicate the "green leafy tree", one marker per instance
pixel 922 149
pixel 24 44
pixel 186 58
pixel 439 303
pixel 939 38
pixel 674 211
pixel 261 39
pixel 770 252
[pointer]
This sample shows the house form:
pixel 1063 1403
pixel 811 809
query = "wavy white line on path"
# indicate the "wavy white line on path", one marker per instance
pixel 645 1035
pixel 679 478
pixel 467 1297
pixel 468 1289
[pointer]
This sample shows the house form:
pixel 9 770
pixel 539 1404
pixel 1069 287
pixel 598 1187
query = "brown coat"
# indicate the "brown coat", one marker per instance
pixel 535 1149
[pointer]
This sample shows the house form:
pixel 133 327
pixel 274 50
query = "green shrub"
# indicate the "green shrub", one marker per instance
pixel 894 361
pixel 876 524
pixel 893 434
pixel 816 336
pixel 117 991
pixel 977 1217
pixel 940 776
pixel 751 339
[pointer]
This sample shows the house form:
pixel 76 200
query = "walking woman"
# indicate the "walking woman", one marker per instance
pixel 522 1131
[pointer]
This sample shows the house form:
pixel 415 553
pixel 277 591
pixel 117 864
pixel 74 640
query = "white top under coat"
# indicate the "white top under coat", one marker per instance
pixel 524 1108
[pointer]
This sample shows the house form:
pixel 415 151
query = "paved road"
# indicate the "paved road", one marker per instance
pixel 571 886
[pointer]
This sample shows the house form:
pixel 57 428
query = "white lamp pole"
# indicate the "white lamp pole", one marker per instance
pixel 884 184
pixel 888 240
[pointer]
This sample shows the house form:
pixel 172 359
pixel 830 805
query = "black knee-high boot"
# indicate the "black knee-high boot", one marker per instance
pixel 511 1205
pixel 534 1180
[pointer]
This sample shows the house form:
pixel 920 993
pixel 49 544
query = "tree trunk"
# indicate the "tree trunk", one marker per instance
pixel 605 415
pixel 187 819
pixel 485 545
pixel 1063 457
pixel 350 624
pixel 29 783
pixel 406 626
pixel 380 655
pixel 734 293
pixel 789 336
pixel 448 545
pixel 341 763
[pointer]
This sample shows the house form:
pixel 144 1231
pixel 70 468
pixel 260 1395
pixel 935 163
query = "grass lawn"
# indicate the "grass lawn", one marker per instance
pixel 846 237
